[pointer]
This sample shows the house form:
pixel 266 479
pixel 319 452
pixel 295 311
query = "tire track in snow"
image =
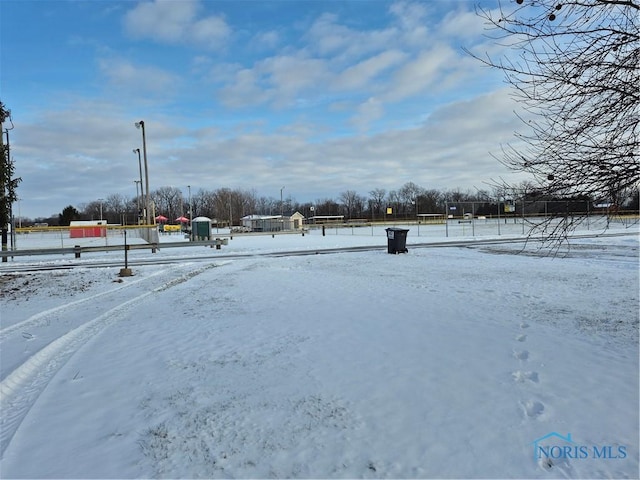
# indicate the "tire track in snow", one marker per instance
pixel 21 388
pixel 4 332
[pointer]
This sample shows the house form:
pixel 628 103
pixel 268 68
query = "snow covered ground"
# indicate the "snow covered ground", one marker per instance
pixel 448 362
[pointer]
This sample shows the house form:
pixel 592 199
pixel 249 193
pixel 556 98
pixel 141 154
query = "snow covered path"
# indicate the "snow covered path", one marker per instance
pixel 20 388
pixel 437 363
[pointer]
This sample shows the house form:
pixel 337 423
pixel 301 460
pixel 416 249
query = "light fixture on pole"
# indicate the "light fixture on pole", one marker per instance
pixel 140 124
pixel 137 150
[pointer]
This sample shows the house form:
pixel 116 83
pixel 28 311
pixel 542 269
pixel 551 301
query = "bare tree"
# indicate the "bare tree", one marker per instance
pixel 231 205
pixel 168 201
pixel 204 204
pixel 266 205
pixel 352 203
pixel 394 201
pixel 115 207
pixel 91 210
pixel 409 194
pixel 249 202
pixel 575 73
pixel 457 196
pixel 430 201
pixel 376 201
pixel 326 206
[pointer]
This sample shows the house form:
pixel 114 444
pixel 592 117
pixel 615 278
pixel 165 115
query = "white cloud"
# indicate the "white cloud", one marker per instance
pixel 210 32
pixel 124 75
pixel 176 22
pixel 327 37
pixel 361 74
pixel 367 112
pixel 462 24
pixel 290 76
pixel 413 21
pixel 280 80
pixel 398 61
pixel 266 40
pixel 423 73
pixel 242 89
pixel 410 15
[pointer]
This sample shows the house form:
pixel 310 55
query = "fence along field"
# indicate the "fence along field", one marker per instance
pixel 458 225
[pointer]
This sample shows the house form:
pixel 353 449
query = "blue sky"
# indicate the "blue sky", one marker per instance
pixel 317 96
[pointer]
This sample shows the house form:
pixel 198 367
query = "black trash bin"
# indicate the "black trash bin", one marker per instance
pixel 397 240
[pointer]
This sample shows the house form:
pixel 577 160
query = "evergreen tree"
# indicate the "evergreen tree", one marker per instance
pixel 8 184
pixel 68 214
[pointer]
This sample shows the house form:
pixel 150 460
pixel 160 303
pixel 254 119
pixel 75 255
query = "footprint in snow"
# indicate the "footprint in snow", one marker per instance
pixel 533 408
pixel 521 338
pixel 561 467
pixel 520 376
pixel 524 325
pixel 521 355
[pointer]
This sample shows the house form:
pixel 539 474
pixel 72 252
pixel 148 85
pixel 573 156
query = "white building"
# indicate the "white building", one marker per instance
pixel 273 223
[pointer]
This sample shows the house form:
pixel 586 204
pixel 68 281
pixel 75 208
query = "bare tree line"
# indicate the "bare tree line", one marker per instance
pixel 228 206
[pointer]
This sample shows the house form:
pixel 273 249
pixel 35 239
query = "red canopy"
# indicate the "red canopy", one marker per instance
pixel 161 218
pixel 182 219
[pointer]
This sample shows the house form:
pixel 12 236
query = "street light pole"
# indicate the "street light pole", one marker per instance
pixel 190 215
pixel 190 212
pixel 137 201
pixel 140 124
pixel 137 150
pixel 281 210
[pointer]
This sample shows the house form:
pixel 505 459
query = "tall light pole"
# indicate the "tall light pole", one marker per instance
pixel 137 150
pixel 140 124
pixel 190 215
pixel 137 200
pixel 100 200
pixel 190 208
pixel 281 210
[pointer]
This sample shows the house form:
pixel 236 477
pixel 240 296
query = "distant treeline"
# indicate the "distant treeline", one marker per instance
pixel 230 205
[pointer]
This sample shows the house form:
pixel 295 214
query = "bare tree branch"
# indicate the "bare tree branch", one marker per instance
pixel 575 72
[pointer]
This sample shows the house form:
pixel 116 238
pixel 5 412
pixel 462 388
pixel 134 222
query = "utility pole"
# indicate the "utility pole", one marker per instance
pixel 147 204
pixel 137 201
pixel 190 215
pixel 140 213
pixel 281 211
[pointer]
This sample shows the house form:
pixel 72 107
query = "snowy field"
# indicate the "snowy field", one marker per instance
pixel 363 234
pixel 446 362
